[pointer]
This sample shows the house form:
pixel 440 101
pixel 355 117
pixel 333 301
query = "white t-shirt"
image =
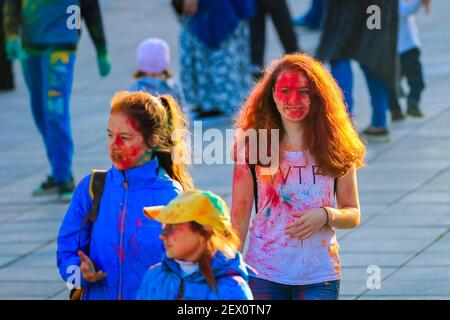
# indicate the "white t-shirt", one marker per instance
pixel 187 267
pixel 408 33
pixel 276 256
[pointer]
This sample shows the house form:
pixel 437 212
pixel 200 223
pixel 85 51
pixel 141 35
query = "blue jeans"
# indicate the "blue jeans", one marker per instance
pixel 268 290
pixel 49 80
pixel 379 94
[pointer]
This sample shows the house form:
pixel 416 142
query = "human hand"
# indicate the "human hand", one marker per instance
pixel 88 269
pixel 308 223
pixel 104 64
pixel 426 4
pixel 190 7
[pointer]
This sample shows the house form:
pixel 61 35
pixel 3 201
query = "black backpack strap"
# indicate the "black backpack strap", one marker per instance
pixel 96 187
pixel 255 185
pixel 335 186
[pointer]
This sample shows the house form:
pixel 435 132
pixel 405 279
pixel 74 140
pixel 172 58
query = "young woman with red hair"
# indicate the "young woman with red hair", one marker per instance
pixel 313 191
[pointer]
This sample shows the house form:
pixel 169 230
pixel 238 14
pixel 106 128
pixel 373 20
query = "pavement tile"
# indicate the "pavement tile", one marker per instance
pixel 37 289
pixel 404 190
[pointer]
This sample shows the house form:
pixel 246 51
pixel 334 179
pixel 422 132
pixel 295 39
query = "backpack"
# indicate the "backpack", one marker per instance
pixel 96 187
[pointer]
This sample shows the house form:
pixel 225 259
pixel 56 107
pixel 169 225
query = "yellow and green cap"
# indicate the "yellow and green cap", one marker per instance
pixel 203 207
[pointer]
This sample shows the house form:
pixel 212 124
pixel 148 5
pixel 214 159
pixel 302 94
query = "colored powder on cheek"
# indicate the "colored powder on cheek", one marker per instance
pixel 118 141
pixel 129 157
pixel 296 114
pixel 289 80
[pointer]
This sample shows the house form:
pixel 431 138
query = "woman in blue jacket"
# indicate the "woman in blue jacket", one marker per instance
pixel 202 260
pixel 112 254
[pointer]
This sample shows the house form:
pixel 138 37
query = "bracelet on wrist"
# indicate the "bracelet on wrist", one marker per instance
pixel 327 214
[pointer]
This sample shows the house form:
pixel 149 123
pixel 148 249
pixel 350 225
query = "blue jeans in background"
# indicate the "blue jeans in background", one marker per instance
pixel 379 94
pixel 49 76
pixel 268 290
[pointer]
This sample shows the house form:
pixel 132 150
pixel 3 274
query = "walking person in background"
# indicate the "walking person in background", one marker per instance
pixel 6 70
pixel 346 36
pixel 312 191
pixel 281 17
pixel 114 253
pixel 215 54
pixel 202 261
pixel 153 74
pixel 37 34
pixel 408 48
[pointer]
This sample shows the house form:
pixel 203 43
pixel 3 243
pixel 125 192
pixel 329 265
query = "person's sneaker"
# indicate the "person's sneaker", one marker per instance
pixel 47 187
pixel 397 116
pixel 414 111
pixel 65 190
pixel 377 134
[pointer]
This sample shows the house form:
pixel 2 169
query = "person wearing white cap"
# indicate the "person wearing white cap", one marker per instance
pixel 153 74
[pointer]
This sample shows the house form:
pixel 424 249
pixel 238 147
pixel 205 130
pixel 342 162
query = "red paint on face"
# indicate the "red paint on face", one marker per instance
pixel 126 144
pixel 118 141
pixel 133 123
pixel 292 95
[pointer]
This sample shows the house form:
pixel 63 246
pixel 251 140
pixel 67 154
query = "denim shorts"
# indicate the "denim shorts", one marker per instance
pixel 268 290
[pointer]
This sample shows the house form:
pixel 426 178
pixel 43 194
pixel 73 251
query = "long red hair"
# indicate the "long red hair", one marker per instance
pixel 329 133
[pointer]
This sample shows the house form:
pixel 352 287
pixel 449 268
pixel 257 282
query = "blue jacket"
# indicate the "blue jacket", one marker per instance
pixel 217 19
pixel 157 87
pixel 43 24
pixel 164 280
pixel 124 243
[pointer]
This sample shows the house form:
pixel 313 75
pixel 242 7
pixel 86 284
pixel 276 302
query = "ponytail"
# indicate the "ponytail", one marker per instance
pixel 172 157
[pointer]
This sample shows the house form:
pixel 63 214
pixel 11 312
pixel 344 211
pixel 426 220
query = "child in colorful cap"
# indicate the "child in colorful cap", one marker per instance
pixel 202 261
pixel 153 74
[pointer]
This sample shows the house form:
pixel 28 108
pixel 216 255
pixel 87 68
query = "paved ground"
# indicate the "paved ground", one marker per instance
pixel 404 191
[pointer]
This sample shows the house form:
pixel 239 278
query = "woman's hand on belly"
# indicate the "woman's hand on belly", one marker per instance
pixel 307 223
